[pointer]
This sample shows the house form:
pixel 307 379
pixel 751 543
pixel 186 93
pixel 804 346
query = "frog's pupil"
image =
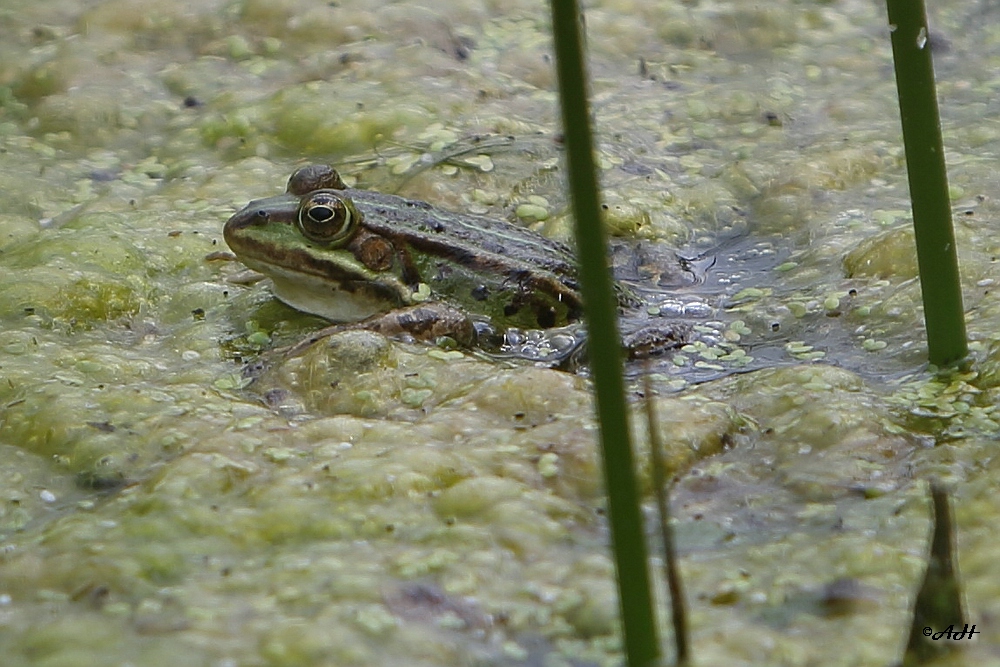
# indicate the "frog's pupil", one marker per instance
pixel 320 213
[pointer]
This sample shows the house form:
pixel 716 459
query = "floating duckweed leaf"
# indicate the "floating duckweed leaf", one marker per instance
pixel 414 398
pixel 548 465
pixel 230 382
pixel 797 347
pixel 817 385
pixel 873 345
pixel 798 309
pixel 401 164
pixel 445 355
pixel 259 339
pixel 740 327
pixel 532 212
pixel 707 366
pixel 483 162
pixel 750 293
pixel 279 454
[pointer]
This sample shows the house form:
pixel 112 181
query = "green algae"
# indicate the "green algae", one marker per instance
pixel 152 513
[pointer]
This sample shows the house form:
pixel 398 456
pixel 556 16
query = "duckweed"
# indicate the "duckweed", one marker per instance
pixel 198 518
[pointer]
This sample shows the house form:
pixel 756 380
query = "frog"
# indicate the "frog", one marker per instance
pixel 364 259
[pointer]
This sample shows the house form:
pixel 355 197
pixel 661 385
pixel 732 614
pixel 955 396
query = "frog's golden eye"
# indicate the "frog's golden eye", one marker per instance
pixel 327 217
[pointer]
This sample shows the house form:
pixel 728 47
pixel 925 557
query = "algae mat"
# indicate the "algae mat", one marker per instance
pixel 381 503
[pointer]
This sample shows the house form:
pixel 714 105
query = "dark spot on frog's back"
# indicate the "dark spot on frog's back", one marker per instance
pixel 546 317
pixel 480 293
pixel 463 256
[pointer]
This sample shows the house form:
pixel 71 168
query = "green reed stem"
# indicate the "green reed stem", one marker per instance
pixel 671 569
pixel 627 538
pixel 936 255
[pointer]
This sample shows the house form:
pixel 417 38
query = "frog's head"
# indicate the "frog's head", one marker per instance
pixel 310 241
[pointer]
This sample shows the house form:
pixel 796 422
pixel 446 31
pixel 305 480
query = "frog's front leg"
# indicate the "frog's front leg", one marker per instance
pixel 424 322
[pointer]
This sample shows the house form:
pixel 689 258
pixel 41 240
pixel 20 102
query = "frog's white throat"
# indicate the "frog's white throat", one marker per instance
pixel 347 301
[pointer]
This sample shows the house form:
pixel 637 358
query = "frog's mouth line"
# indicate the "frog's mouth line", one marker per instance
pixel 344 269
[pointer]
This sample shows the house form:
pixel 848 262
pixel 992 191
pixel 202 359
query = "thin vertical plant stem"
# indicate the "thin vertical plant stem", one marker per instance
pixel 671 570
pixel 937 258
pixel 627 537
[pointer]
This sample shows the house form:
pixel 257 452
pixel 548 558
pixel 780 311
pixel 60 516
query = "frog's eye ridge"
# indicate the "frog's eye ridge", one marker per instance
pixel 314 177
pixel 328 218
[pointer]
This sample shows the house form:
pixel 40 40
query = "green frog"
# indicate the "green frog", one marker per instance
pixel 364 259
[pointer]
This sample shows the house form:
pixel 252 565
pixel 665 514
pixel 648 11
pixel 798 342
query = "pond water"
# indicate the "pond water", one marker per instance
pixel 372 502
